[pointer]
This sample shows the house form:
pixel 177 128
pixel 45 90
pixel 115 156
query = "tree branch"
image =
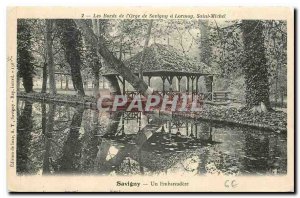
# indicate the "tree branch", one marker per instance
pixel 113 61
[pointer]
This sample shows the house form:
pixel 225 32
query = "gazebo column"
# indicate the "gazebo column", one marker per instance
pixel 197 81
pixel 188 84
pixel 210 134
pixel 179 79
pixel 103 83
pixel 124 82
pixel 193 78
pixel 209 85
pixel 163 79
pixel 170 78
pixel 187 128
pixel 149 81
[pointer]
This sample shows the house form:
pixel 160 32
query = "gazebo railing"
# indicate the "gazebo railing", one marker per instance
pixel 131 94
pixel 216 96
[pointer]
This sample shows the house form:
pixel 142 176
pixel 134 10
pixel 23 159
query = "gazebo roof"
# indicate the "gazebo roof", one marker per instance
pixel 161 60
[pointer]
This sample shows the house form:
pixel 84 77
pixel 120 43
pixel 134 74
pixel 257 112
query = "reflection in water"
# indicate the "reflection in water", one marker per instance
pixel 47 129
pixel 24 128
pixel 69 161
pixel 66 140
pixel 257 151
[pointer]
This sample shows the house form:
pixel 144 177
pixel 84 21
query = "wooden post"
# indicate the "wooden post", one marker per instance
pixel 197 81
pixel 179 79
pixel 210 133
pixel 188 84
pixel 103 82
pixel 149 81
pixel 123 126
pixel 211 85
pixel 124 82
pixel 193 78
pixel 187 129
pixel 61 81
pixel 170 79
pixel 163 79
pixel 67 83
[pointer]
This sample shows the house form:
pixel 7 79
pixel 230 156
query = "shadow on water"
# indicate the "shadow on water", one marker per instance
pixel 71 151
pixel 24 136
pixel 55 139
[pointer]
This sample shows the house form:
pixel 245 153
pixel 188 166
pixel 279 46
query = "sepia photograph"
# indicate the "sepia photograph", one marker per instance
pixel 150 100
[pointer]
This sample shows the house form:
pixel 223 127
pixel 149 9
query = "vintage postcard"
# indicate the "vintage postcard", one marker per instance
pixel 145 99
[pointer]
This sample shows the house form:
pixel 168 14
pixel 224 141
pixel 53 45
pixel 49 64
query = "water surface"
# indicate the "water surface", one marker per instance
pixel 60 139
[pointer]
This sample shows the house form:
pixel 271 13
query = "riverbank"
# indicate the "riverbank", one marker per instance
pixel 87 101
pixel 273 120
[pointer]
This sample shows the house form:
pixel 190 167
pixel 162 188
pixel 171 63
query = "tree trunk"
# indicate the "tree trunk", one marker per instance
pixel 114 85
pixel 24 137
pixel 44 117
pixel 277 73
pixel 145 46
pixel 18 83
pixel 61 81
pixel 113 61
pixel 205 53
pixel 48 136
pixel 255 67
pixel 71 41
pixel 96 59
pixel 50 62
pixel 24 56
pixel 205 49
pixel 72 146
pixel 45 78
pixel 121 48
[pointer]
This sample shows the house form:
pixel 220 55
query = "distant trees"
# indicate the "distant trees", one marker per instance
pixel 24 55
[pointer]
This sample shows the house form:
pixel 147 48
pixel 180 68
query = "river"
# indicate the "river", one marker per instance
pixel 57 139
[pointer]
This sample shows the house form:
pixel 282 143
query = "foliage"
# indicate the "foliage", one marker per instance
pixel 209 46
pixel 72 43
pixel 24 56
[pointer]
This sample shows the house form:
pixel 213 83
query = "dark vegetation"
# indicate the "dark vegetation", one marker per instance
pixel 248 56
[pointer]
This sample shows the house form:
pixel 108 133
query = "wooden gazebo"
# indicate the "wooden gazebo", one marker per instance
pixel 166 62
